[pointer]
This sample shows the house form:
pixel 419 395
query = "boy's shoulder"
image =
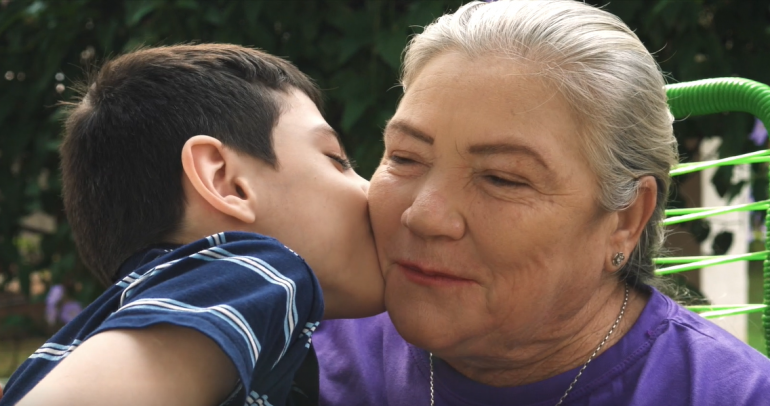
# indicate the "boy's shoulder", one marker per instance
pixel 232 264
pixel 226 286
pixel 223 248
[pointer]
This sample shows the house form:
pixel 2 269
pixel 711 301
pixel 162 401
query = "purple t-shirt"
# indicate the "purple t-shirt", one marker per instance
pixel 670 357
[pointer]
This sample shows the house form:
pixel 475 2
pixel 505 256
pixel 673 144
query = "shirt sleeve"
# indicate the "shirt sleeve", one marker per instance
pixel 252 297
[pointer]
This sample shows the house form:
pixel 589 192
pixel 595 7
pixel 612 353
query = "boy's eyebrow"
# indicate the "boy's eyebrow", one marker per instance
pixel 326 130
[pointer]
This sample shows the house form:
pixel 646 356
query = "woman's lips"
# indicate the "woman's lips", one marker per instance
pixel 426 277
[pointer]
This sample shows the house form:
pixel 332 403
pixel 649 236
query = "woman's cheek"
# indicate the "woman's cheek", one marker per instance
pixel 386 187
pixel 389 197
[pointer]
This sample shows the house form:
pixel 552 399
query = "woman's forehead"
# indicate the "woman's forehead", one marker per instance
pixel 485 105
pixel 457 86
pixel 457 69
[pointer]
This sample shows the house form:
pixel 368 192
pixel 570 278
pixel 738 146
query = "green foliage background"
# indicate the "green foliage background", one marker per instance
pixel 351 48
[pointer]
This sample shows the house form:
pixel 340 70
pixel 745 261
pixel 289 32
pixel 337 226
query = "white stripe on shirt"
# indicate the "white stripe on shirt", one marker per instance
pixel 224 312
pixel 271 275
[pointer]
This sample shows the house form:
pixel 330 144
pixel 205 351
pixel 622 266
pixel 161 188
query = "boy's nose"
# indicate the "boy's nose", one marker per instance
pixel 364 184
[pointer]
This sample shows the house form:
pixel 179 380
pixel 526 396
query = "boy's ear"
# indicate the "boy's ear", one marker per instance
pixel 215 173
pixel 631 222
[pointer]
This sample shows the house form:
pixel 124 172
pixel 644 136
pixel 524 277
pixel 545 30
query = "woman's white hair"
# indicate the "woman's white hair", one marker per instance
pixel 604 72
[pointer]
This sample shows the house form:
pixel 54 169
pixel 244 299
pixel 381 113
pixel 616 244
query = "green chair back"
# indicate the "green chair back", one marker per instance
pixel 708 97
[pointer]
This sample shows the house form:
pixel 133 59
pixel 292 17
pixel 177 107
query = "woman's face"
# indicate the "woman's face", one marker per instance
pixel 484 210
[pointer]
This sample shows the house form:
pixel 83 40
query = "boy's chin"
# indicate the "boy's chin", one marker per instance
pixel 354 312
pixel 365 299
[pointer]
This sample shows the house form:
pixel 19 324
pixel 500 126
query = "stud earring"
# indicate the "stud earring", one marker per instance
pixel 617 259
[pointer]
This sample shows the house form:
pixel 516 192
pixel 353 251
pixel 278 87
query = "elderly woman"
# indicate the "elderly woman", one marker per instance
pixel 516 211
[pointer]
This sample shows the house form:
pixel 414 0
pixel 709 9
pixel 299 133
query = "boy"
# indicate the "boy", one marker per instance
pixel 171 145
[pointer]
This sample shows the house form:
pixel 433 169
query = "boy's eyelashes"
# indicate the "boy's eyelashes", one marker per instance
pixel 344 162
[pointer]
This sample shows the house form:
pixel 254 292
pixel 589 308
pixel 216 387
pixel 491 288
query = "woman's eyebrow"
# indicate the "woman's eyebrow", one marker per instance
pixel 406 129
pixel 509 149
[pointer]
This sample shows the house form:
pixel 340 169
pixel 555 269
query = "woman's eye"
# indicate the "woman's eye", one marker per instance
pixel 498 181
pixel 399 160
pixel 344 162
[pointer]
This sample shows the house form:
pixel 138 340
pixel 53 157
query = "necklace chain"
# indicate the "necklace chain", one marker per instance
pixel 574 381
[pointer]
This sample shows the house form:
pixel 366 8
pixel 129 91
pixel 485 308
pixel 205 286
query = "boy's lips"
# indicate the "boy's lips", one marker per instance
pixel 428 276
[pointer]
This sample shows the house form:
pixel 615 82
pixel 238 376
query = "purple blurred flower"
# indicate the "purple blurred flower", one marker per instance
pixel 759 133
pixel 55 295
pixel 54 313
pixel 69 310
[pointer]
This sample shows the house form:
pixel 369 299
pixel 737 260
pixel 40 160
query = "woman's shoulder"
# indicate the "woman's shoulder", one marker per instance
pixel 689 354
pixel 347 332
pixel 673 356
pixel 357 357
pixel 698 336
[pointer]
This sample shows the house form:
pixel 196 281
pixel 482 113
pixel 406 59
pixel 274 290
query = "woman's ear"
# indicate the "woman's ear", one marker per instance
pixel 215 174
pixel 631 222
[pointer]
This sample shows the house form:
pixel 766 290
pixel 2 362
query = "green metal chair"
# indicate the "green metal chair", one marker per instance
pixel 707 97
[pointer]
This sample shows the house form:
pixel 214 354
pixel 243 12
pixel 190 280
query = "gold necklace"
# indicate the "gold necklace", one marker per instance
pixel 574 381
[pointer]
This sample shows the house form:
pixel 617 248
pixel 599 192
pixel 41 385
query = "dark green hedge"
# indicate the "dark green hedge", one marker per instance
pixel 351 47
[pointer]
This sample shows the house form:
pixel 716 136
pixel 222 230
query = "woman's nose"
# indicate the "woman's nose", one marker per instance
pixel 432 215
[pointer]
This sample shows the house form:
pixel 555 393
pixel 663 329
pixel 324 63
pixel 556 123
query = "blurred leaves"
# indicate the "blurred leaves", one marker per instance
pixel 352 48
pixel 700 229
pixel 722 243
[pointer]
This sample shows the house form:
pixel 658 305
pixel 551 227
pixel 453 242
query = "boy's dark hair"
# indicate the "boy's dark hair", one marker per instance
pixel 121 154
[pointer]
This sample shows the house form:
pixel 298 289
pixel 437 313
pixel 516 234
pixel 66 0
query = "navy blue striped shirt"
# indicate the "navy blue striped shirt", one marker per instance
pixel 257 299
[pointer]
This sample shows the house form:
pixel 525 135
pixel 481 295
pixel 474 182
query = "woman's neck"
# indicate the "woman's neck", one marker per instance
pixel 576 340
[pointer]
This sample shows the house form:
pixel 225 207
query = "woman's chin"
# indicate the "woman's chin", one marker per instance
pixel 418 315
pixel 417 331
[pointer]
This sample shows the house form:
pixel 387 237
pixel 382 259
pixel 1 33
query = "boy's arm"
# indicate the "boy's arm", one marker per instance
pixel 159 365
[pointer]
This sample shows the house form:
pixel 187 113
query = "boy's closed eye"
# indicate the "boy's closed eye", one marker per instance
pixel 332 138
pixel 344 163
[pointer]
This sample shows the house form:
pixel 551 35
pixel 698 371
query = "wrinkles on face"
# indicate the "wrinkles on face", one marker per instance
pixel 482 178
